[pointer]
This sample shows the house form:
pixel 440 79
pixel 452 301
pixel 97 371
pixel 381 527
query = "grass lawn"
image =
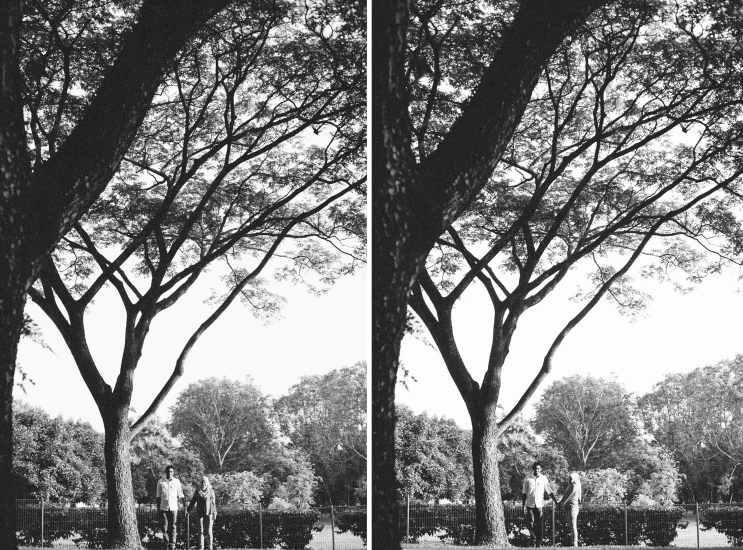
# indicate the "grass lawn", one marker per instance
pixel 442 545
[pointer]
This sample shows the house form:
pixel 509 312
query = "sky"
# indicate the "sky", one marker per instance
pixel 314 335
pixel 678 333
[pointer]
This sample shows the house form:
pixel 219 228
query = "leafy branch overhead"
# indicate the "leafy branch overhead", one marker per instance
pixel 252 154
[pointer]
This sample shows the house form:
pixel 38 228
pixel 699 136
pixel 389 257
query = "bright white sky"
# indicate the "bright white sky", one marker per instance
pixel 315 335
pixel 677 334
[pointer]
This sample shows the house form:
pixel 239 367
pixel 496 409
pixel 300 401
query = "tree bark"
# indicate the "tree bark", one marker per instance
pixel 122 518
pixel 490 525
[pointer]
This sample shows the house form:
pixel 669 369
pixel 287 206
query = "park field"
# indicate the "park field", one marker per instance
pixel 442 545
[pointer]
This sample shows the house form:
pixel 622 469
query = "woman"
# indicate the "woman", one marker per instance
pixel 572 498
pixel 206 511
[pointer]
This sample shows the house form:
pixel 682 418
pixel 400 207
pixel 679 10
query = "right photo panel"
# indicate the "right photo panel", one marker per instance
pixel 556 256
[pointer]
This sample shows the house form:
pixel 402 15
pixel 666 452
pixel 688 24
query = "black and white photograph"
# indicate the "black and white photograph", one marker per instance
pixel 183 313
pixel 556 258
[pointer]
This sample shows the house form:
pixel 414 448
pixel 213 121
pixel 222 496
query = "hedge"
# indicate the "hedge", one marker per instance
pixel 725 519
pixel 598 525
pixel 233 528
pixel 353 520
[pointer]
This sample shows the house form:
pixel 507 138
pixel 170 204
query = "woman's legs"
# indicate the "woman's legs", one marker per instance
pixel 201 533
pixel 208 522
pixel 574 522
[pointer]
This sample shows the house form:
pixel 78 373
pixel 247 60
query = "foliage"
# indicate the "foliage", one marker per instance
pixel 152 449
pixel 598 525
pixel 351 519
pixel 227 423
pixel 325 416
pixel 608 486
pixel 699 417
pixel 654 475
pixel 433 459
pixel 724 519
pixel 57 460
pixel 243 488
pixel 590 419
pixel 233 527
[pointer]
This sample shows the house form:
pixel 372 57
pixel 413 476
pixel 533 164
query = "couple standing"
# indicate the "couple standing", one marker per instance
pixel 170 493
pixel 532 501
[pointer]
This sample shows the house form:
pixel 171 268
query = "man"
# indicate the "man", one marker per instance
pixel 169 492
pixel 532 501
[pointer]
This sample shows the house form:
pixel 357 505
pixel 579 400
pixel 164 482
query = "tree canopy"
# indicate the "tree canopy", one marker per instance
pixel 325 416
pixel 697 415
pixel 56 460
pixel 592 420
pixel 228 424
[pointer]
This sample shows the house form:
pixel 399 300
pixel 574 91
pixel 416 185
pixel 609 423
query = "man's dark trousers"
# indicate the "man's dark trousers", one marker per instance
pixel 167 524
pixel 534 520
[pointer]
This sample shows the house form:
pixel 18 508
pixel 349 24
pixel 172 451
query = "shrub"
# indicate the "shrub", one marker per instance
pixel 351 519
pixel 725 519
pixel 233 528
pixel 598 525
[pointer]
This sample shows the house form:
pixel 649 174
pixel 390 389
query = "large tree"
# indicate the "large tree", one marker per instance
pixel 57 460
pixel 432 457
pixel 250 156
pixel 595 173
pixel 227 423
pixel 325 416
pixel 41 199
pixel 415 200
pixel 590 419
pixel 699 416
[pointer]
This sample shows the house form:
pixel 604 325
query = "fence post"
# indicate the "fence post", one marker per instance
pixel 626 529
pixel 188 533
pixel 332 526
pixel 42 522
pixel 407 522
pixel 696 505
pixel 260 522
pixel 553 523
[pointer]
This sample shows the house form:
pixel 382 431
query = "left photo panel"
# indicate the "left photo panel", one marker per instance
pixel 183 274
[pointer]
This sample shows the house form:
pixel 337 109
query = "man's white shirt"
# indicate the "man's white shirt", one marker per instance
pixel 534 489
pixel 169 492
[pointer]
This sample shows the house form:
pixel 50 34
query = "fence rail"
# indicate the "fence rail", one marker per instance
pixel 681 525
pixel 322 528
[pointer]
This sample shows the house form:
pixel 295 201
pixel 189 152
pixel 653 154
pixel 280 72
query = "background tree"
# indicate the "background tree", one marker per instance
pixel 231 427
pixel 594 175
pixel 228 424
pixel 591 420
pixel 697 415
pixel 433 460
pixel 57 460
pixel 607 485
pixel 325 416
pixel 253 136
pixel 41 200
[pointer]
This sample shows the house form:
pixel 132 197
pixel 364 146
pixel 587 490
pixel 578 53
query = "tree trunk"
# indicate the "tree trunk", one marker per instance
pixel 490 525
pixel 122 518
pixel 12 300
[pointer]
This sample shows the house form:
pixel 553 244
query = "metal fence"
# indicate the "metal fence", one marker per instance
pixel 682 525
pixel 323 528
